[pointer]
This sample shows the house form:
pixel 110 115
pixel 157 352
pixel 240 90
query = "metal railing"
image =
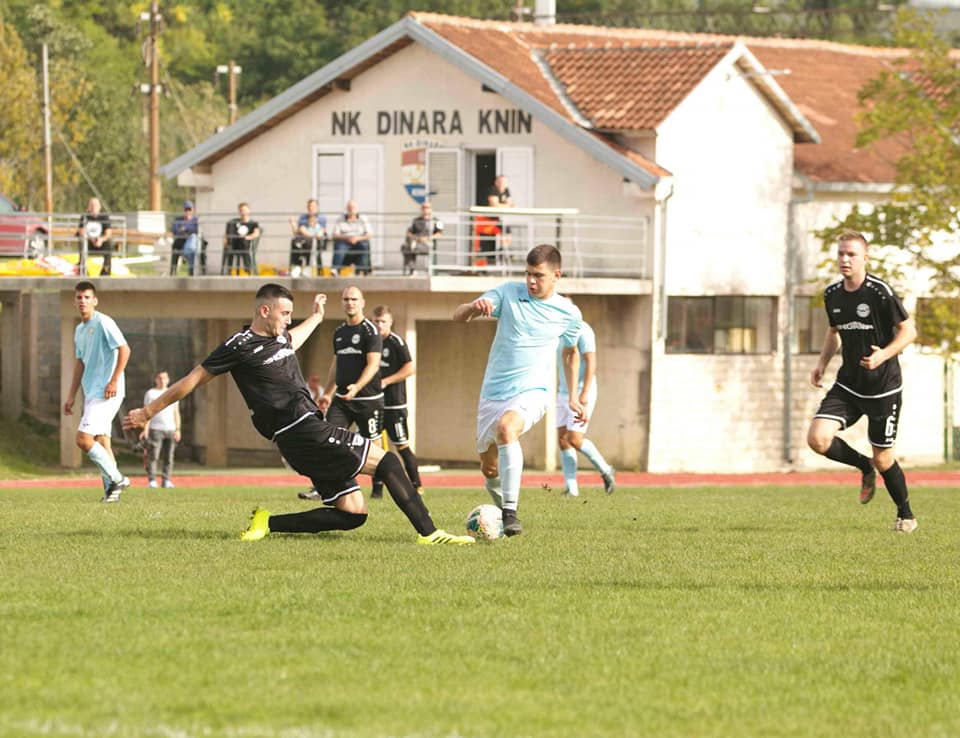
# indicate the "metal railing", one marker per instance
pixel 472 242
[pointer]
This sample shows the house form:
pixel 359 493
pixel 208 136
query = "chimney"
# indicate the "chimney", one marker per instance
pixel 545 12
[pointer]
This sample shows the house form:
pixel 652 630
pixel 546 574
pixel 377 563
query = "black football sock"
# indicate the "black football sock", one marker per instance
pixel 410 464
pixel 896 485
pixel 403 493
pixel 315 521
pixel 841 451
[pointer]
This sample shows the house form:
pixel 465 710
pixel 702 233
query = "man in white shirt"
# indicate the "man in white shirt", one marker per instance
pixel 161 434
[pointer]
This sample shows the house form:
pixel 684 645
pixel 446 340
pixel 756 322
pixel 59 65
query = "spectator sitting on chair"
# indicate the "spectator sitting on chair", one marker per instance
pixel 237 242
pixel 94 226
pixel 351 240
pixel 421 236
pixel 308 230
pixel 187 242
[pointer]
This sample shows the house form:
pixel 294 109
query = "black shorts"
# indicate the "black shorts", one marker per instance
pixel 328 455
pixel 395 423
pixel 367 414
pixel 883 413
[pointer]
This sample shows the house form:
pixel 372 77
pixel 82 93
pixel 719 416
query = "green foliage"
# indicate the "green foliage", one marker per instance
pixel 657 612
pixel 918 102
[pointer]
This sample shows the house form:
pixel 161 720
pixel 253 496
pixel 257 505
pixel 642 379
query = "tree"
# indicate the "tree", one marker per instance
pixel 18 115
pixel 918 229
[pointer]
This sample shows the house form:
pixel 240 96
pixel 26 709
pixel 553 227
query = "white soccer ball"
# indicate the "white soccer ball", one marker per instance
pixel 485 523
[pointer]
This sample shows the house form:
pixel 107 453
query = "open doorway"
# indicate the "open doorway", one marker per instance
pixel 484 171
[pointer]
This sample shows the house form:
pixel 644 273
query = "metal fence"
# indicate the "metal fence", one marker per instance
pixel 471 243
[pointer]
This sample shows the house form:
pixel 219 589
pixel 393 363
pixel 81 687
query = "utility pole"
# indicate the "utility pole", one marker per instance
pixel 232 70
pixel 47 154
pixel 151 58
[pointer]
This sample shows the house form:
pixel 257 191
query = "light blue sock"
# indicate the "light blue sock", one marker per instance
pixel 511 469
pixel 593 454
pixel 568 460
pixel 104 461
pixel 493 488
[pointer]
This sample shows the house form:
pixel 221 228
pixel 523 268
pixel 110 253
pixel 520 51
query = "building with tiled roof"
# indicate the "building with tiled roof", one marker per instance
pixel 699 166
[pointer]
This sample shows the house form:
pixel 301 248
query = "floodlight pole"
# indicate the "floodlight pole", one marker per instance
pixel 155 186
pixel 47 153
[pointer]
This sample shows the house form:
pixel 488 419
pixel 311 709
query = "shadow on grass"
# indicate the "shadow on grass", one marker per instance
pixel 167 534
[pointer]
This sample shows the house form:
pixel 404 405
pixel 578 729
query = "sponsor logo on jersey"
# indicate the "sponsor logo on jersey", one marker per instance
pixel 863 310
pixel 279 356
pixel 349 350
pixel 855 325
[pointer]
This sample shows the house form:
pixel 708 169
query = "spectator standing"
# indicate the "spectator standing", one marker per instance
pixel 94 228
pixel 351 240
pixel 161 434
pixel 101 357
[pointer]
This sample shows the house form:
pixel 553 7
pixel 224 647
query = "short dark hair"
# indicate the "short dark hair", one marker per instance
pixel 545 254
pixel 84 286
pixel 381 310
pixel 853 236
pixel 272 291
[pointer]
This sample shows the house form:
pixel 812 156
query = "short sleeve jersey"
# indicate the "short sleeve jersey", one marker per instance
pixel 94 226
pixel 586 344
pixel 864 318
pixel 394 355
pixel 165 420
pixel 268 376
pixel 237 229
pixel 351 344
pixel 96 343
pixel 529 330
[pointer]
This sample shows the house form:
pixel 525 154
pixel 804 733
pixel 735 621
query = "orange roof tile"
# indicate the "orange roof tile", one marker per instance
pixel 633 88
pixel 609 85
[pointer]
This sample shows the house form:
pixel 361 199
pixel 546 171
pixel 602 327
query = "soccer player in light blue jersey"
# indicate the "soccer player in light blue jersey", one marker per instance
pixel 101 356
pixel 532 319
pixel 572 431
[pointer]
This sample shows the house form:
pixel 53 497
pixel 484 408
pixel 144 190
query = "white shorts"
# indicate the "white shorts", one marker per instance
pixel 98 415
pixel 565 417
pixel 531 405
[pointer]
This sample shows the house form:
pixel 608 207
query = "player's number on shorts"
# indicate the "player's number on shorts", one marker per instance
pixel 890 428
pixel 373 425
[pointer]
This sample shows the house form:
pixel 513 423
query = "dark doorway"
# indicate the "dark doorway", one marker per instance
pixel 485 169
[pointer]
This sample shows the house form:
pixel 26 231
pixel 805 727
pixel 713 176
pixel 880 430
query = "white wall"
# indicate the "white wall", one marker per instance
pixel 732 158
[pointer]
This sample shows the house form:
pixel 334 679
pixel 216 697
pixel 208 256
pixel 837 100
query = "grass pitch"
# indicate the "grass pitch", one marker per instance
pixel 654 612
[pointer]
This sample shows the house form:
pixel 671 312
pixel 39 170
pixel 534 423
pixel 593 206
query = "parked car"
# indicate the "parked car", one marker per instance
pixel 21 234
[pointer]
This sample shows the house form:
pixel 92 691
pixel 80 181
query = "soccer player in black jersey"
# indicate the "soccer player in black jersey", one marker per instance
pixel 396 365
pixel 353 393
pixel 263 362
pixel 869 324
